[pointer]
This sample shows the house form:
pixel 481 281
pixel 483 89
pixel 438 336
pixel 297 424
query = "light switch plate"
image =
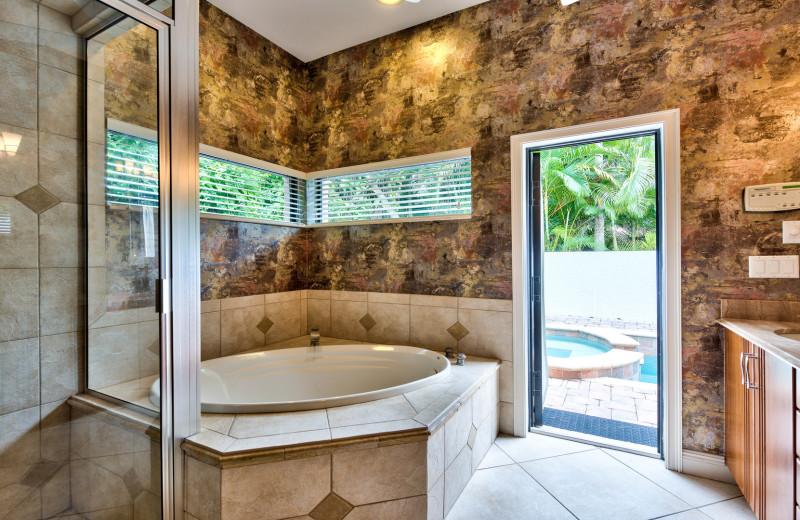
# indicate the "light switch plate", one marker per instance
pixel 778 266
pixel 791 231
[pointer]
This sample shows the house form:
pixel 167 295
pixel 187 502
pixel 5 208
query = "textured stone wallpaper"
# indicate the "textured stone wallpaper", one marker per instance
pixel 476 77
pixel 131 77
pixel 505 67
pixel 241 258
pixel 253 94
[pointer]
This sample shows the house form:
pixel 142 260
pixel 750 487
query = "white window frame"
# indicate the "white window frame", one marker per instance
pixel 668 123
pixel 225 155
pixel 388 165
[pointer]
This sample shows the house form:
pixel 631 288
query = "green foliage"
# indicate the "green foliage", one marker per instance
pixel 600 196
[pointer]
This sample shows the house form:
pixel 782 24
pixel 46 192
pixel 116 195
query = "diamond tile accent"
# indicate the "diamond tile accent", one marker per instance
pixel 37 199
pixel 332 507
pixel 265 324
pixel 458 331
pixel 473 432
pixel 367 321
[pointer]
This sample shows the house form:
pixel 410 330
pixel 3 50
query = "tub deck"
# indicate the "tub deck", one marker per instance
pixel 412 414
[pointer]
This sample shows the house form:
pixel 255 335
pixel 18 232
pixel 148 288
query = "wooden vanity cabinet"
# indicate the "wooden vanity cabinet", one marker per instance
pixel 760 428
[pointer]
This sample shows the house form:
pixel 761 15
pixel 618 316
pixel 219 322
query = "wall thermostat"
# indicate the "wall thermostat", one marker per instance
pixel 784 196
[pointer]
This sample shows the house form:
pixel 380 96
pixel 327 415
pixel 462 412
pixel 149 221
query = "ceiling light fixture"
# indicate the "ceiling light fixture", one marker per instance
pixel 567 2
pixel 395 2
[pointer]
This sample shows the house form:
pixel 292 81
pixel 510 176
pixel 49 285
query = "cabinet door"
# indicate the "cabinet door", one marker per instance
pixel 736 449
pixel 778 390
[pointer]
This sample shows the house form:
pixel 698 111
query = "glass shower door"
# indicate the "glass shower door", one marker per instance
pixel 120 467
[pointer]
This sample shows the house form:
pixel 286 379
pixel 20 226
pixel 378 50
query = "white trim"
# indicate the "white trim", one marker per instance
pixel 706 466
pixel 233 218
pixel 668 122
pixel 225 155
pixel 461 153
pixel 431 218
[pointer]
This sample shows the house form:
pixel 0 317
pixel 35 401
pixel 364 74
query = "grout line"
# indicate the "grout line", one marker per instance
pixel 549 493
pixel 659 485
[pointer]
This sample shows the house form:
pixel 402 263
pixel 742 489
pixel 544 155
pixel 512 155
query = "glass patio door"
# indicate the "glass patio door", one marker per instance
pixel 595 264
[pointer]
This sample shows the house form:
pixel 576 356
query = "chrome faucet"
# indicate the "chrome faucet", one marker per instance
pixel 314 337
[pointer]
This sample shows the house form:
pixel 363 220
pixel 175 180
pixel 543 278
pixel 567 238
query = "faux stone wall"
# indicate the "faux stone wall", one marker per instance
pixel 476 77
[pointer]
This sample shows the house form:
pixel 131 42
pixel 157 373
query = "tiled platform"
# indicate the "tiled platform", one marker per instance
pixel 629 401
pixel 551 479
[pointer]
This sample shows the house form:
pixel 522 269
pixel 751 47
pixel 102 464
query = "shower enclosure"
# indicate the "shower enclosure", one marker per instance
pixel 86 307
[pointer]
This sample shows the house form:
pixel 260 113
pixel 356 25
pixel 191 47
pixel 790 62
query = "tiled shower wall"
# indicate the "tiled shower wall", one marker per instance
pixel 41 258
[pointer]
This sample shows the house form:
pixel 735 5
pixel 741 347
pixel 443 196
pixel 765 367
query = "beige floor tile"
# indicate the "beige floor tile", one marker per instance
pixel 506 492
pixel 692 514
pixel 694 490
pixel 736 509
pixel 495 457
pixel 580 481
pixel 538 447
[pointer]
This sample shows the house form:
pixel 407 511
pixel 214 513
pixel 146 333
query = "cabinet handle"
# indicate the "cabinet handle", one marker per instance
pixel 742 368
pixel 747 384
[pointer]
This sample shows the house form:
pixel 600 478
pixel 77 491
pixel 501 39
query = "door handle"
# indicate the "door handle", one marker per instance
pixel 748 385
pixel 741 367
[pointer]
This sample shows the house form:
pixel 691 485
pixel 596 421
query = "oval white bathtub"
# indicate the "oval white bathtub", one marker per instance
pixel 309 378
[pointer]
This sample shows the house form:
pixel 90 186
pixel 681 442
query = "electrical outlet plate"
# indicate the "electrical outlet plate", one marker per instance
pixel 791 231
pixel 779 266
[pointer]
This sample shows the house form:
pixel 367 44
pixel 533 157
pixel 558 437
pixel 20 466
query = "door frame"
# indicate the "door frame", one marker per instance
pixel 178 286
pixel 668 123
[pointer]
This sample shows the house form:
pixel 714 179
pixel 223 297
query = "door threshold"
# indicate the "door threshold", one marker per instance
pixel 595 440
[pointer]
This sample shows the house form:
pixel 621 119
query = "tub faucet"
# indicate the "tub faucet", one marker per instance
pixel 314 337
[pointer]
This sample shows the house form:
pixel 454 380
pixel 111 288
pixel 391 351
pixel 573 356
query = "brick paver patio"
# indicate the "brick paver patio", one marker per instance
pixel 618 399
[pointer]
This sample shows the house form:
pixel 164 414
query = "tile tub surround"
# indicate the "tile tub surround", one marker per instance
pixel 475 326
pixel 412 453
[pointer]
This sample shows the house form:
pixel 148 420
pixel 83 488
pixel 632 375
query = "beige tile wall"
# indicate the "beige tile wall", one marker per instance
pixel 42 258
pixel 422 321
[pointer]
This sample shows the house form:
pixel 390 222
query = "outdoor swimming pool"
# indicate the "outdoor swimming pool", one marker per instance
pixel 568 347
pixel 565 347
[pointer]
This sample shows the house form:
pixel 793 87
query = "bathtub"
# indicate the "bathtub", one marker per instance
pixel 310 378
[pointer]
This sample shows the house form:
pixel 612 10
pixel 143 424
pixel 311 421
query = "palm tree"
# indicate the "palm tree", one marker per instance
pixel 588 185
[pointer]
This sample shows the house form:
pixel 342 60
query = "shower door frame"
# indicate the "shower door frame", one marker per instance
pixel 179 233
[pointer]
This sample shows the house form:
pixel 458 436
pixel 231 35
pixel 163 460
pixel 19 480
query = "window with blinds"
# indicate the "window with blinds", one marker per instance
pixel 226 188
pixel 425 191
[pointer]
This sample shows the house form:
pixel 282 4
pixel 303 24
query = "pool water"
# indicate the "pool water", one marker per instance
pixel 649 372
pixel 564 347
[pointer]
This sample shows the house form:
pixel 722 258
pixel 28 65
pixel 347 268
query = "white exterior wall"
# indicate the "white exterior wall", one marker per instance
pixel 603 284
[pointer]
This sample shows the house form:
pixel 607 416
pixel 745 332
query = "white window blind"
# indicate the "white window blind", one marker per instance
pixel 226 187
pixel 433 189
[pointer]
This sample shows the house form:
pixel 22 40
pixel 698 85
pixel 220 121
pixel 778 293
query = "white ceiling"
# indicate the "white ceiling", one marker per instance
pixel 310 29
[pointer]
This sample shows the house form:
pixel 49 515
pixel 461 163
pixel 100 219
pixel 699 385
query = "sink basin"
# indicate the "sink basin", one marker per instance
pixel 790 334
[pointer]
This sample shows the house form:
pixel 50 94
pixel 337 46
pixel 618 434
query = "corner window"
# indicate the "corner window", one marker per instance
pixel 227 188
pixel 425 191
pixel 431 187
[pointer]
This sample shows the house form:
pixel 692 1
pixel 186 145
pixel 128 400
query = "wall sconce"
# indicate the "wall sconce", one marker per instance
pixel 567 2
pixel 10 143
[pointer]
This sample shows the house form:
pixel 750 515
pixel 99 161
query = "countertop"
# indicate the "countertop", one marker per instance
pixel 763 334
